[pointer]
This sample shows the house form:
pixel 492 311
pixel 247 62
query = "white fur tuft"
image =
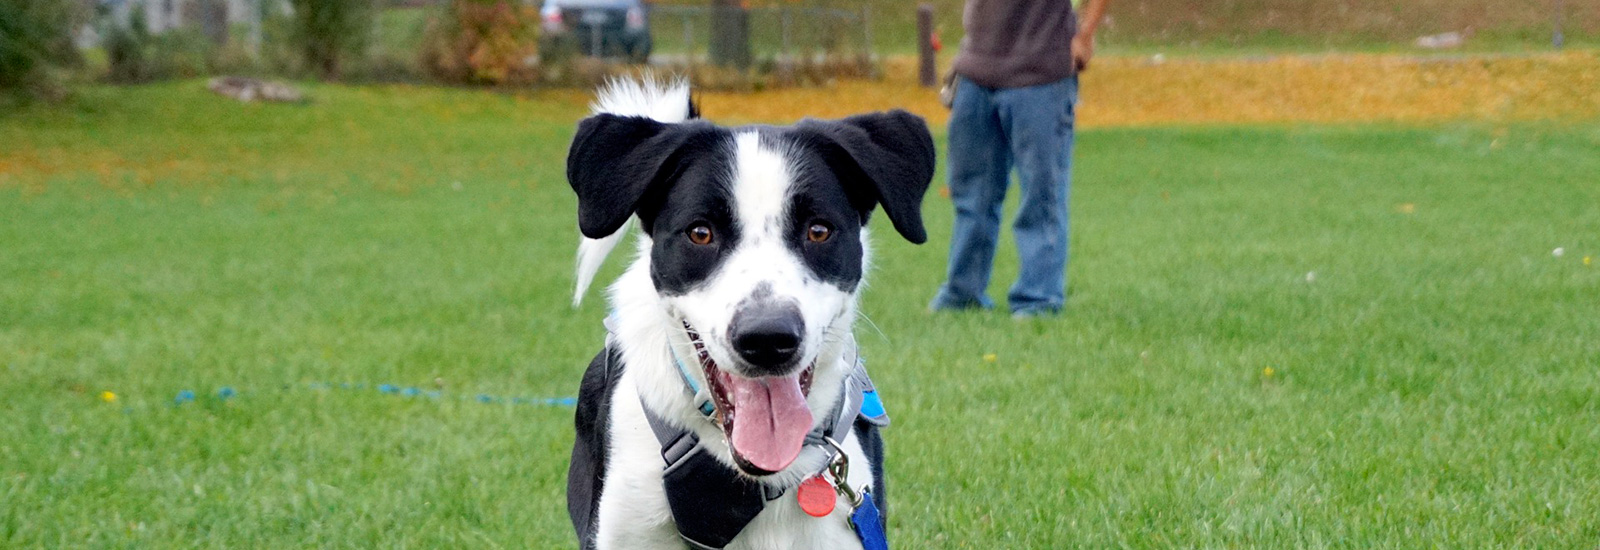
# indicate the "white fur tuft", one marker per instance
pixel 591 255
pixel 663 100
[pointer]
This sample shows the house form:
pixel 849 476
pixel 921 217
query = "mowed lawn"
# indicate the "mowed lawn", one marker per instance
pixel 1277 337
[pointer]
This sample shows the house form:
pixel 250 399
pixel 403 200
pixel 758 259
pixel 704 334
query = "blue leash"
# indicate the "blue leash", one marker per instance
pixel 225 393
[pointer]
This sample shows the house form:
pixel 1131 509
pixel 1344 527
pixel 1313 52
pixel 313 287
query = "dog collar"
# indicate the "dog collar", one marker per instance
pixel 701 395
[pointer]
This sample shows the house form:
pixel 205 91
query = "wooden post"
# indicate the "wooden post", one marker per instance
pixel 1559 38
pixel 925 55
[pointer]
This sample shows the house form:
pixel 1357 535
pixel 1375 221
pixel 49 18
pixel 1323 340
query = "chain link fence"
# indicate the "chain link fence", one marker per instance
pixel 777 34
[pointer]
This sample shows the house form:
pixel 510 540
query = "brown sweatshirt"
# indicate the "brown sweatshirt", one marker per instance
pixel 1016 43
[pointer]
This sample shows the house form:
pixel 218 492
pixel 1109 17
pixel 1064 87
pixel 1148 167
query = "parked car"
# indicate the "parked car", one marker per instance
pixel 599 28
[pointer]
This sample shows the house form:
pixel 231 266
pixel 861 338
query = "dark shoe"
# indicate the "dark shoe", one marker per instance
pixel 940 306
pixel 1035 313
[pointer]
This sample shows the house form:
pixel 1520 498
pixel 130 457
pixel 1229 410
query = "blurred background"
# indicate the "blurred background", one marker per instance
pixel 297 273
pixel 52 44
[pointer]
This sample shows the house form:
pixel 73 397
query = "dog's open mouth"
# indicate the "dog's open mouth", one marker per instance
pixel 765 419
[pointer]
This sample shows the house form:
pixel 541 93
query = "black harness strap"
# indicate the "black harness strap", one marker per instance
pixel 711 503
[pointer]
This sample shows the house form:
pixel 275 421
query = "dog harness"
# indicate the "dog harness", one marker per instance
pixel 712 503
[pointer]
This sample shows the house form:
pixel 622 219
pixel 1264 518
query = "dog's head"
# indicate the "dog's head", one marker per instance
pixel 756 242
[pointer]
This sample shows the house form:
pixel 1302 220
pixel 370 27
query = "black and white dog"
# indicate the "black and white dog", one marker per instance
pixel 728 404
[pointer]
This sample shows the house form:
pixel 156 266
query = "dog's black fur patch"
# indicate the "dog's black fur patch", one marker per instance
pixel 587 474
pixel 819 196
pixel 619 163
pixel 699 194
pixel 881 158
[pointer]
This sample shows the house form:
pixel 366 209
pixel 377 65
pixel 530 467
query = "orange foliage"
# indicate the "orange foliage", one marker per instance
pixel 1139 91
pixel 485 42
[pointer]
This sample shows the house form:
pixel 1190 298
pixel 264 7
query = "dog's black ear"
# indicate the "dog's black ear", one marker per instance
pixel 892 152
pixel 616 161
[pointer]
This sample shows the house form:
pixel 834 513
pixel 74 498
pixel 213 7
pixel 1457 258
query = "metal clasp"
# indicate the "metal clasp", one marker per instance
pixel 840 470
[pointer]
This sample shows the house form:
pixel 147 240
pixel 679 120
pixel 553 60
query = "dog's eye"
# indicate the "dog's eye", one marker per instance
pixel 818 232
pixel 699 234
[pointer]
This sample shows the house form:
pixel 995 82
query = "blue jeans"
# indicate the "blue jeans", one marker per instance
pixel 990 130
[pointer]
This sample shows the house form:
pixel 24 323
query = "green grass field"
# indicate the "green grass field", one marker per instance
pixel 1432 381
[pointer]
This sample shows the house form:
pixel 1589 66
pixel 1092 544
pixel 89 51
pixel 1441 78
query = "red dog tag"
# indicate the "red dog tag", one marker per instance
pixel 817 497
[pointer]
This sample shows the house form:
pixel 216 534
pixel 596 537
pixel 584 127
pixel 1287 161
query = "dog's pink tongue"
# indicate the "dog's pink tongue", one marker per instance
pixel 770 420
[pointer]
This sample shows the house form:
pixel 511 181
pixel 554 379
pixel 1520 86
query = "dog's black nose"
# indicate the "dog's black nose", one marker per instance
pixel 768 337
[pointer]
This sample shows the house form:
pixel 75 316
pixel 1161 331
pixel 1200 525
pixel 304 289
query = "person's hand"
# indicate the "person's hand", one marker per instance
pixel 1082 51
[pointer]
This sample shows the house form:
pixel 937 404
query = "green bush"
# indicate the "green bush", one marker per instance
pixel 135 55
pixel 183 53
pixel 328 30
pixel 36 46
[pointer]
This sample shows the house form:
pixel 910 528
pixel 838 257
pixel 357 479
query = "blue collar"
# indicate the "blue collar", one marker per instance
pixel 702 398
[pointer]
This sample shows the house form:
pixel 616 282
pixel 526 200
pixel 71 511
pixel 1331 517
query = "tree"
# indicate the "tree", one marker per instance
pixel 328 30
pixel 36 44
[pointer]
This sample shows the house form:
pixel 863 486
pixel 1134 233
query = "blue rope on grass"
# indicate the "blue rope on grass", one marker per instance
pixel 227 392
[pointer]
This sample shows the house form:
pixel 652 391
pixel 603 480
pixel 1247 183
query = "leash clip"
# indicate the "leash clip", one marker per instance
pixel 840 470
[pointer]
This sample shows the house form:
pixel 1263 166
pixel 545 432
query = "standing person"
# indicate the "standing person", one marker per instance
pixel 1015 91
